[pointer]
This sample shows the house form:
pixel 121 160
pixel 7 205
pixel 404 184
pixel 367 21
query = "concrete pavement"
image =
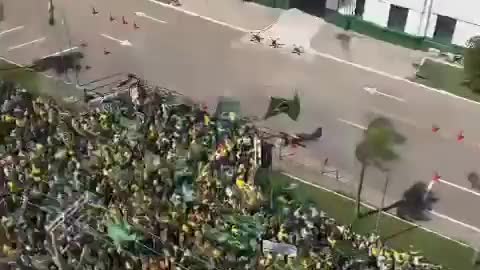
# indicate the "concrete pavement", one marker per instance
pixel 204 60
pixel 327 39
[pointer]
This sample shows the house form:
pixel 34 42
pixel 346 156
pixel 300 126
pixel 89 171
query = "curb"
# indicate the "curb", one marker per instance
pixel 372 207
pixel 324 55
pixel 193 14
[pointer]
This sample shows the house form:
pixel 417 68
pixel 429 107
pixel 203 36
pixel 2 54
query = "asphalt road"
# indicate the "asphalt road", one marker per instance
pixel 204 60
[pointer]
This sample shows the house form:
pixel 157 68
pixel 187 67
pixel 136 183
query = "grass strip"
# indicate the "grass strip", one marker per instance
pixel 444 77
pixel 38 84
pixel 396 233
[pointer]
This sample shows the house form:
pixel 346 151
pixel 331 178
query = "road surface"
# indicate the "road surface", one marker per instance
pixel 204 60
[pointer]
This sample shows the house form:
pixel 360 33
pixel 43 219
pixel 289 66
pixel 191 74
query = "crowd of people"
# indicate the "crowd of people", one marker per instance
pixel 148 181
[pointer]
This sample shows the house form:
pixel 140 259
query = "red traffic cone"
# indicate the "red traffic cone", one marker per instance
pixel 460 136
pixel 436 177
pixel 435 128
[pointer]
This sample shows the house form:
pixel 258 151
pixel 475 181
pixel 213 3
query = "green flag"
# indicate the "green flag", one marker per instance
pixel 122 232
pixel 279 105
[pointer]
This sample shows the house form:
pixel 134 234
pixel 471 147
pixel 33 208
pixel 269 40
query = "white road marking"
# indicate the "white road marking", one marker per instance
pixel 193 14
pixel 374 91
pixel 121 42
pixel 459 187
pixel 443 135
pixel 141 14
pixel 60 52
pixel 346 197
pixel 350 123
pixel 44 74
pixel 393 77
pixel 395 117
pixel 27 43
pixel 11 30
pixel 471 227
pixel 386 213
pixel 324 55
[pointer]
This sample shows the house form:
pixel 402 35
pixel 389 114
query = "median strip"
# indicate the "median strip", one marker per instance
pixel 397 233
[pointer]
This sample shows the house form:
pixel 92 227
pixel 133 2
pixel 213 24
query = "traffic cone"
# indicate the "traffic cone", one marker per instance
pixel 460 136
pixel 436 177
pixel 435 128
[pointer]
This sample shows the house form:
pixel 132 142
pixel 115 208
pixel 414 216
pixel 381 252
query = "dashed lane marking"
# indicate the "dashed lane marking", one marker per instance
pixel 39 40
pixel 324 55
pixel 350 123
pixel 12 30
pixel 61 52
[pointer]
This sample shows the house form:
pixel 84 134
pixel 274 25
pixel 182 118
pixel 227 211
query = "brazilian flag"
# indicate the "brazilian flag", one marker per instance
pixel 279 105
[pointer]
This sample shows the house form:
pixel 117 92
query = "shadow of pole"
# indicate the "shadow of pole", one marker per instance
pixel 399 233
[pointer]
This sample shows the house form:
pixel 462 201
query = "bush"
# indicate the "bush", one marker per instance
pixel 472 68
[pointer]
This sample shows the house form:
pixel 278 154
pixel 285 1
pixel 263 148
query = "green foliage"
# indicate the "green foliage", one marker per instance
pixel 122 232
pixel 376 149
pixel 279 105
pixel 378 145
pixel 240 235
pixel 472 68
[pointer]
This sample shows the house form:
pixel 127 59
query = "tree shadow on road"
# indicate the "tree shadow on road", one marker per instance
pixel 474 180
pixel 413 206
pixel 61 64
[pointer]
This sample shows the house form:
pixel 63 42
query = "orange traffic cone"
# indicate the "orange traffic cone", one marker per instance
pixel 460 136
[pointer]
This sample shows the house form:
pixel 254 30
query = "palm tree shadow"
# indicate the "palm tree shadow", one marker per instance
pixel 413 206
pixel 399 233
pixel 417 203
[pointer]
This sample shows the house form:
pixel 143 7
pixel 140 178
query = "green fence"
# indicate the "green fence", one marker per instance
pixel 284 4
pixel 389 35
pixel 373 30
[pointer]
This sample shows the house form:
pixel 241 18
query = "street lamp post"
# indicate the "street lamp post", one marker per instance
pixel 51 14
pixel 1 11
pixel 382 204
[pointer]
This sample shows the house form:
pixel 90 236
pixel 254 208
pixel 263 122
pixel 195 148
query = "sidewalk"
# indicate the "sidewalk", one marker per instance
pixel 296 27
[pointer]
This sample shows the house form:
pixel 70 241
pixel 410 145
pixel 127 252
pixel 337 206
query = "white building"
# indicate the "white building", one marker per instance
pixel 446 21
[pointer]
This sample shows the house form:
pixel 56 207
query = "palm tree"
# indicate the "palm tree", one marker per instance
pixel 376 149
pixel 471 63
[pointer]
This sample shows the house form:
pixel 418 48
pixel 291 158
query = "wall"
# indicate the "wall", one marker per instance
pixel 465 10
pixel 347 7
pixel 463 32
pixel 376 12
pixel 416 5
pixel 331 4
pixel 414 23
